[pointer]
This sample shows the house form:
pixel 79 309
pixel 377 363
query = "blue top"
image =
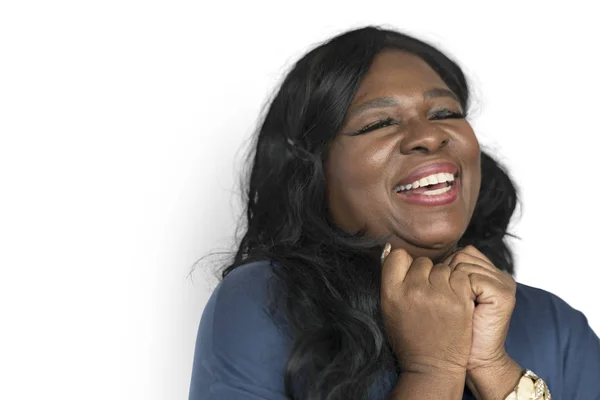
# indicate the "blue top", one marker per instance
pixel 241 350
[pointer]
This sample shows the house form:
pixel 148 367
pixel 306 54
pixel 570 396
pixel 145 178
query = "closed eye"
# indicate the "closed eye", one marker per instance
pixel 376 125
pixel 446 114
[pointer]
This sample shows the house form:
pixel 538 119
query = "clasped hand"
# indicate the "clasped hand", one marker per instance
pixel 446 318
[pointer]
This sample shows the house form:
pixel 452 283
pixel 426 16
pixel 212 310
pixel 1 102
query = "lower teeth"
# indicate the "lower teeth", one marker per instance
pixel 437 191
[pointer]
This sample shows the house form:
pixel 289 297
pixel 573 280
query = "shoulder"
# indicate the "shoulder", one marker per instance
pixel 240 306
pixel 545 315
pixel 246 297
pixel 545 308
pixel 240 342
pixel 249 281
pixel 553 339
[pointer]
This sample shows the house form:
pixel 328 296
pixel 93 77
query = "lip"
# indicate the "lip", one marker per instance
pixel 436 200
pixel 429 169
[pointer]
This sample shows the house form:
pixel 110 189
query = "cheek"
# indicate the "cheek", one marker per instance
pixel 474 166
pixel 355 180
pixel 468 145
pixel 357 168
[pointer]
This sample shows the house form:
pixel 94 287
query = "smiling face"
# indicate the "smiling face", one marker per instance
pixel 404 117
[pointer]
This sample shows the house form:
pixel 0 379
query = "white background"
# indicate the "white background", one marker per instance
pixel 122 125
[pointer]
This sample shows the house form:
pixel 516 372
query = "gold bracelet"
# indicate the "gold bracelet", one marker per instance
pixel 530 387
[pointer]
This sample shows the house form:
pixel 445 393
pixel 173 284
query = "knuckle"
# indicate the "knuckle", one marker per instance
pixel 457 257
pixel 458 273
pixel 461 267
pixel 396 254
pixel 461 257
pixel 423 260
pixel 440 268
pixel 470 247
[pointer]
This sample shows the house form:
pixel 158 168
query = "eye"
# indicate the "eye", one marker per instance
pixel 376 125
pixel 446 114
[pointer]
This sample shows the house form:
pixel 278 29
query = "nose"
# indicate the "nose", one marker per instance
pixel 423 137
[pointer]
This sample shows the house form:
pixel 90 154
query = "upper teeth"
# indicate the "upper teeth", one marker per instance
pixel 428 180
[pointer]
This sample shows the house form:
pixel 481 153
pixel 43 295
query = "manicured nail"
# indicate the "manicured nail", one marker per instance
pixel 386 252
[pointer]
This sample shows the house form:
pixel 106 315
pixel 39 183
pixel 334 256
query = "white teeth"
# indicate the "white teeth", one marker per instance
pixel 432 179
pixel 437 191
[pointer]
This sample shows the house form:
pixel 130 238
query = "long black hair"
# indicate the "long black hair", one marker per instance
pixel 331 278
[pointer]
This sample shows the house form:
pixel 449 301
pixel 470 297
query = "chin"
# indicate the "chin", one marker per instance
pixel 428 244
pixel 437 255
pixel 436 239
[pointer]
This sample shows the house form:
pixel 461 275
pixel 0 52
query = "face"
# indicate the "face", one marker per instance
pixel 404 124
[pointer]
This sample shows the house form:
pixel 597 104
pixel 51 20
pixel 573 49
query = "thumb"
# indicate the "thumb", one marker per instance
pixel 484 288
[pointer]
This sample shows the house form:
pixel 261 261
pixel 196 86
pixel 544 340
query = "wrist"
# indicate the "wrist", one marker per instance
pixel 494 380
pixel 435 384
pixel 434 367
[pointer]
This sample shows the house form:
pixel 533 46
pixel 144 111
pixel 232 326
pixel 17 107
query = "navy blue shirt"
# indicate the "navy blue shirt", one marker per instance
pixel 242 349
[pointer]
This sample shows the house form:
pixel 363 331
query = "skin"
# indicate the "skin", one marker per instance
pixel 362 170
pixel 455 304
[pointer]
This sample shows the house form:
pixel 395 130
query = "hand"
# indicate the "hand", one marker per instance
pixel 495 297
pixel 428 314
pixel 491 372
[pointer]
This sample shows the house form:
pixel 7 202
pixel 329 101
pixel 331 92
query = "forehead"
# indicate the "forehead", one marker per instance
pixel 395 72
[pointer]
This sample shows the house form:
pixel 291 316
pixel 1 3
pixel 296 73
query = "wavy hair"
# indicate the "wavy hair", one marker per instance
pixel 331 278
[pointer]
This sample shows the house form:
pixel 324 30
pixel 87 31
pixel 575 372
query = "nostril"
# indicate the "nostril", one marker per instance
pixel 422 148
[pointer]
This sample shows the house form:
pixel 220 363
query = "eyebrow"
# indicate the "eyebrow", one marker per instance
pixel 388 102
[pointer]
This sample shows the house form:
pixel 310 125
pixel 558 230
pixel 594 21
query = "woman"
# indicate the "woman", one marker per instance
pixel 373 263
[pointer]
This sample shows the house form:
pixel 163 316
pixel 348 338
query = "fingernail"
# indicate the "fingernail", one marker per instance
pixel 386 251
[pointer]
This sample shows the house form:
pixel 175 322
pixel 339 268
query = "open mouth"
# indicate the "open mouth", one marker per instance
pixel 431 185
pixel 431 190
pixel 431 193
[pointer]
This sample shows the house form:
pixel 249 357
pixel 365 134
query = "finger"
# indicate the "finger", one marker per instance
pixel 449 258
pixel 473 251
pixel 470 250
pixel 440 276
pixel 487 289
pixel 461 285
pixel 395 266
pixel 469 268
pixel 419 270
pixel 463 257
